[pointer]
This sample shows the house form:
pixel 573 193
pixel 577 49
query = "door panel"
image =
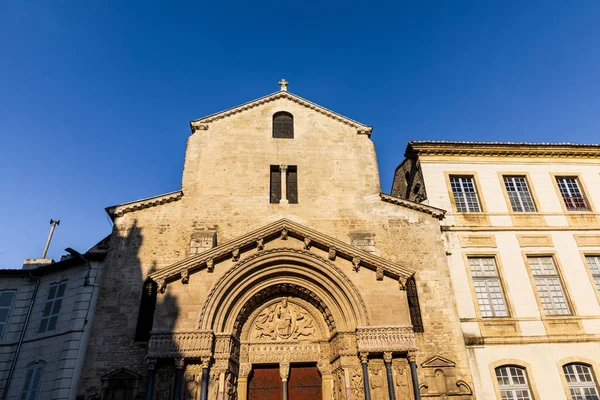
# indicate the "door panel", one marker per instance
pixel 265 384
pixel 304 383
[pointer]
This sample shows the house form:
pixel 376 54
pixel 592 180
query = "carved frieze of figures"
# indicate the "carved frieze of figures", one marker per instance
pixel 356 383
pixel 283 321
pixel 377 380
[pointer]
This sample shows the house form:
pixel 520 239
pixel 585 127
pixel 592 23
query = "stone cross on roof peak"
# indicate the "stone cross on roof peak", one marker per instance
pixel 283 84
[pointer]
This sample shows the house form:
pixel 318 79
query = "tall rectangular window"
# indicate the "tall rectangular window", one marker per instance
pixel 291 179
pixel 56 293
pixel 571 193
pixel 548 285
pixel 6 301
pixel 465 194
pixel 488 288
pixel 275 196
pixel 519 194
pixel 593 263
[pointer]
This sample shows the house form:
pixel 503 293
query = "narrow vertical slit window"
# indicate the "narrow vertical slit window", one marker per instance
pixel 56 293
pixel 519 194
pixel 593 263
pixel 549 286
pixel 488 288
pixel 465 194
pixel 275 195
pixel 292 184
pixel 413 305
pixel 571 193
pixel 146 313
pixel 6 302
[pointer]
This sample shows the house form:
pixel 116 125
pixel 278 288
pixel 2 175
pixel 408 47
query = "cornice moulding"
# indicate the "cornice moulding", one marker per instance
pixel 121 209
pixel 433 211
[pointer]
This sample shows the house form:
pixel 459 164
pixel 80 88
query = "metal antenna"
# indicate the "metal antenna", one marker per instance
pixel 53 224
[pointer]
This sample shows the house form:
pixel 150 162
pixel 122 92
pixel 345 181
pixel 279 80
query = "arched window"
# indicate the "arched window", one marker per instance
pixel 513 383
pixel 32 382
pixel 582 383
pixel 283 125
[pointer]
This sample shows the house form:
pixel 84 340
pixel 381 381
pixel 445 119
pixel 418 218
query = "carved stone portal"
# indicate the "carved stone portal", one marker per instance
pixel 283 321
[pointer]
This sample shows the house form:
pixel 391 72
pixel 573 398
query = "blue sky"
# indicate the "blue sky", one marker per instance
pixel 96 96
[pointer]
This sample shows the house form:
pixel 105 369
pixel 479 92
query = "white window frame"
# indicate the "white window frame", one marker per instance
pixel 593 264
pixel 571 190
pixel 487 284
pixel 8 309
pixel 52 307
pixel 580 387
pixel 520 200
pixel 518 383
pixel 465 199
pixel 32 382
pixel 549 280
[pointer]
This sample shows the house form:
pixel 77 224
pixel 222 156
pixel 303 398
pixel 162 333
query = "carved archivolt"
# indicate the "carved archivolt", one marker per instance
pixel 262 270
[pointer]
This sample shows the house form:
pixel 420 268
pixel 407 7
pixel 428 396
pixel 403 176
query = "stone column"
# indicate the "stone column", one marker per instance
pixel 387 359
pixel 412 361
pixel 283 171
pixel 205 377
pixel 179 362
pixel 242 383
pixel 284 372
pixel 365 369
pixel 150 379
pixel 327 379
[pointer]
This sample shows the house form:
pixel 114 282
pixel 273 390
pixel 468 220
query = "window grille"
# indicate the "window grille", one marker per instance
pixel 56 293
pixel 488 287
pixel 465 194
pixel 146 313
pixel 593 263
pixel 513 383
pixel 291 183
pixel 548 286
pixel 283 125
pixel 518 194
pixel 571 193
pixel 32 382
pixel 275 195
pixel 413 305
pixel 6 301
pixel 582 384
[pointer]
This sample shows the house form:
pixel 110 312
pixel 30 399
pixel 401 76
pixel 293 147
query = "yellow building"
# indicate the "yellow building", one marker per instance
pixel 522 237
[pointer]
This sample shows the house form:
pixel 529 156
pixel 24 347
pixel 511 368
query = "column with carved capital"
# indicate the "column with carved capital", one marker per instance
pixel 412 361
pixel 387 359
pixel 327 379
pixel 242 383
pixel 205 377
pixel 150 380
pixel 283 171
pixel 365 369
pixel 284 372
pixel 179 362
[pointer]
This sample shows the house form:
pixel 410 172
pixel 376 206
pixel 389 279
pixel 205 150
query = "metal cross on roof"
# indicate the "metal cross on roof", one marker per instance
pixel 283 84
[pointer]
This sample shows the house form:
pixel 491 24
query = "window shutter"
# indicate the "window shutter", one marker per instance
pixel 292 185
pixel 32 383
pixel 275 184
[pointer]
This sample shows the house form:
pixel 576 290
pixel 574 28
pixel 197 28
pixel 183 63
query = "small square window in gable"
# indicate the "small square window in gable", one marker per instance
pixel 202 241
pixel 364 241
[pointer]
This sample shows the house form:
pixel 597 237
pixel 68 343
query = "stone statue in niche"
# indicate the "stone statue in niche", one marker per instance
pixel 192 381
pixel 401 381
pixel 283 321
pixel 376 383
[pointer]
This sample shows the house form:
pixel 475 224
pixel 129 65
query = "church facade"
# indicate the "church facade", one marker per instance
pixel 279 270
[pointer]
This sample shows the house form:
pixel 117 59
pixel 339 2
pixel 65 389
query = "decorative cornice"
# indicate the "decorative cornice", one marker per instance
pixel 501 149
pixel 201 124
pixel 375 339
pixel 120 209
pixel 433 211
pixel 272 232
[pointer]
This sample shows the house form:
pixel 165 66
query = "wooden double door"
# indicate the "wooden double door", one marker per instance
pixel 304 383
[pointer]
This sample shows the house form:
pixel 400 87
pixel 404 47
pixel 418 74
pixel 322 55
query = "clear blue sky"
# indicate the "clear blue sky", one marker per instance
pixel 96 96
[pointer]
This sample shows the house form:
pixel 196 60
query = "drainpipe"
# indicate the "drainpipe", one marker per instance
pixel 14 362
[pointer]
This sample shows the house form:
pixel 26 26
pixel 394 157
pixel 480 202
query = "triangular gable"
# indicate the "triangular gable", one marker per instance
pixel 438 362
pixel 202 123
pixel 288 229
pixel 120 374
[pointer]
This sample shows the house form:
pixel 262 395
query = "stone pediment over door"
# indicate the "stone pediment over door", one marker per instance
pixel 283 229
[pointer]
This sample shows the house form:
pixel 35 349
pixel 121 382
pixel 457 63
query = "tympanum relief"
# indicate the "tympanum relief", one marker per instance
pixel 283 321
